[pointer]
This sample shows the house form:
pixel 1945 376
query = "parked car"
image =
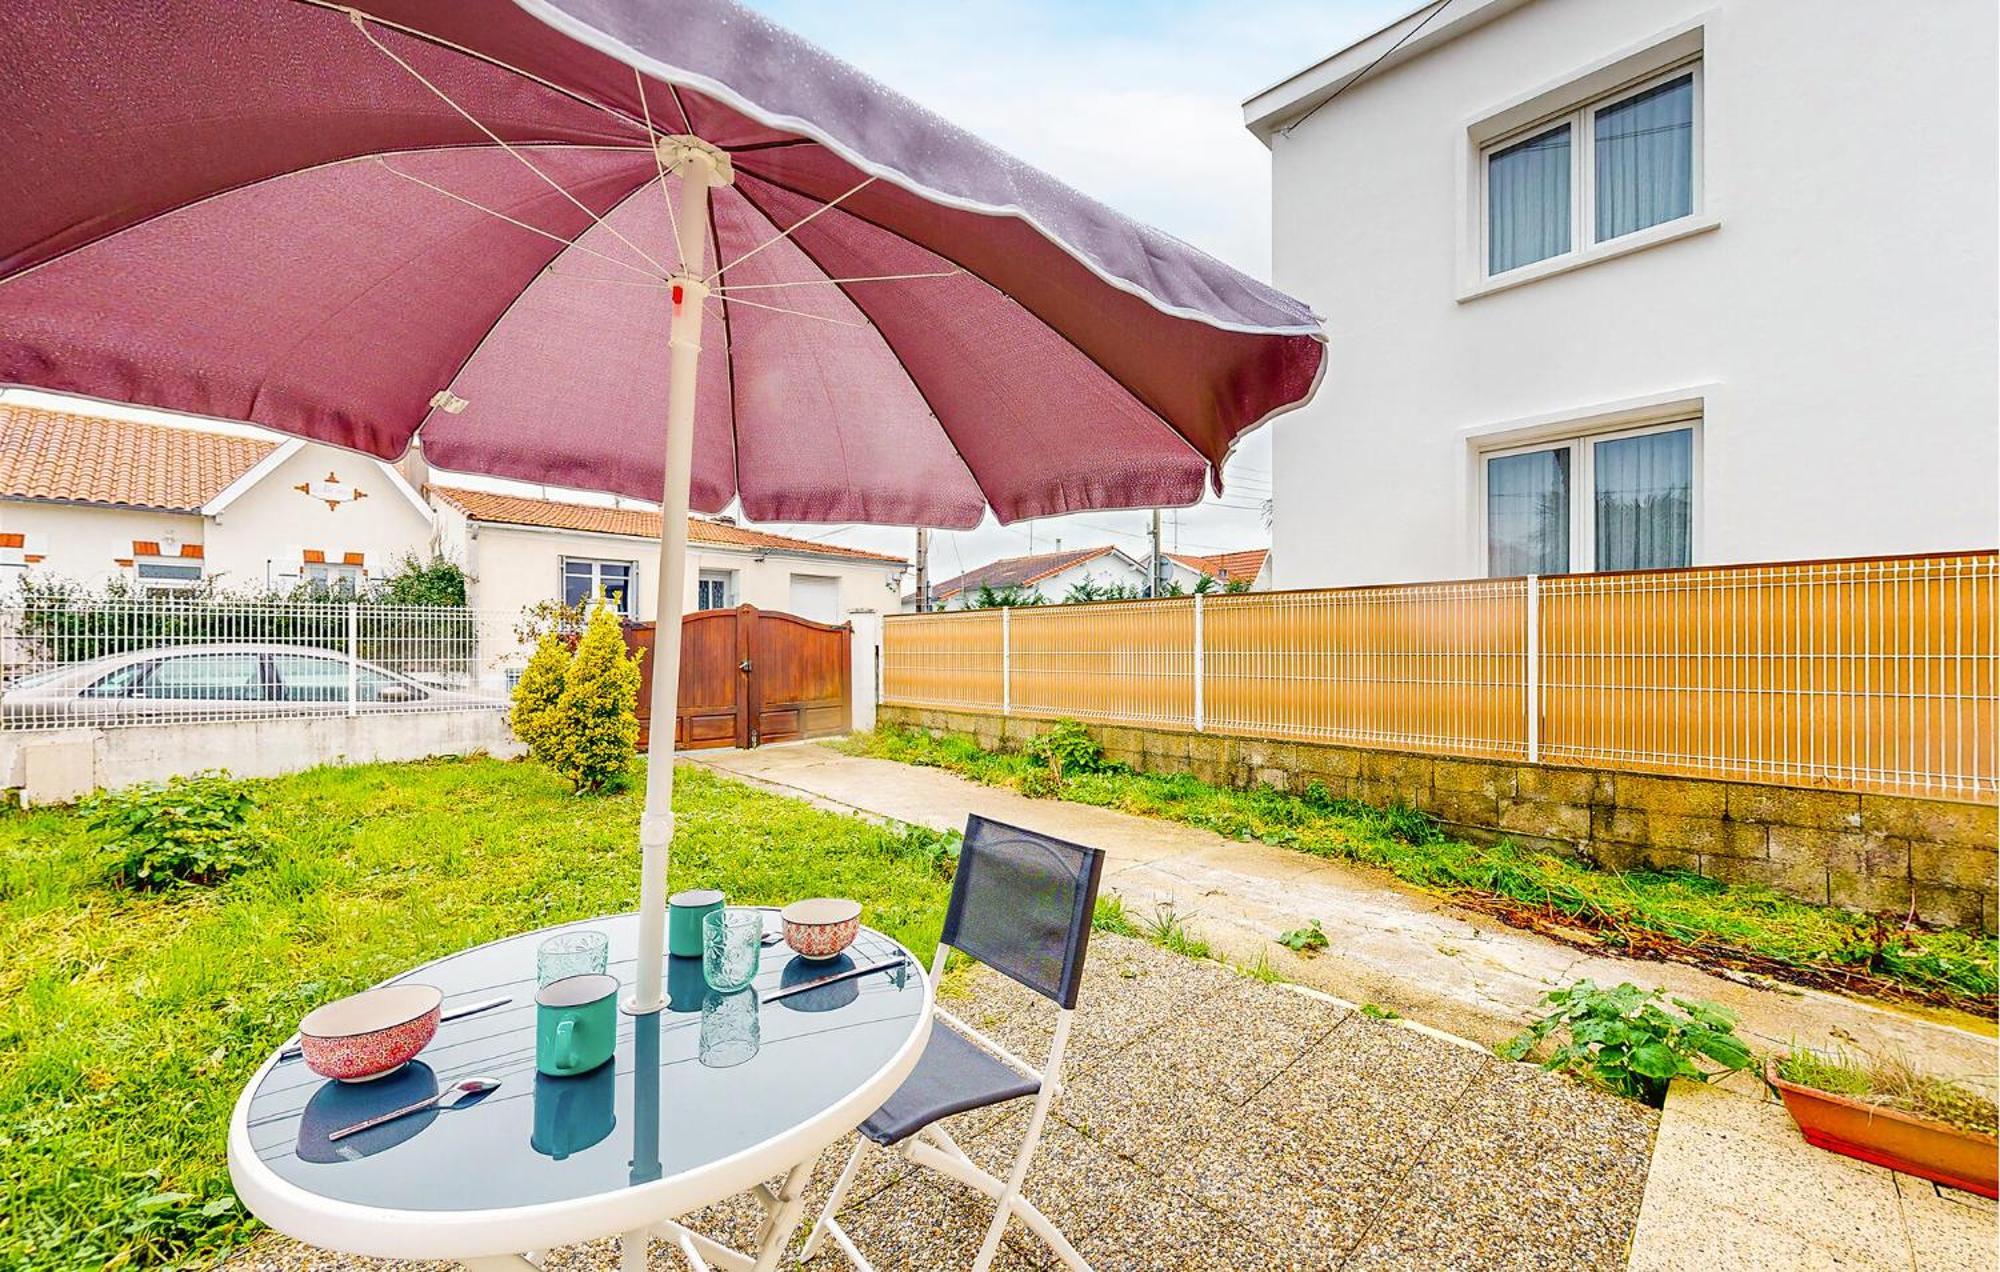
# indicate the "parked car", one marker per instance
pixel 217 681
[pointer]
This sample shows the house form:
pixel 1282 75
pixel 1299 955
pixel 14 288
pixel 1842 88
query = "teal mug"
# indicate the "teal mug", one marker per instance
pixel 685 911
pixel 576 1024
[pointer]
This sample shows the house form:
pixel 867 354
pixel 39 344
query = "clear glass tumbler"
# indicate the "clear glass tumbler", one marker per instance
pixel 731 1030
pixel 731 942
pixel 571 954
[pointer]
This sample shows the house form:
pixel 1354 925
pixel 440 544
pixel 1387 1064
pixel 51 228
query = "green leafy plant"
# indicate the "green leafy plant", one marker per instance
pixel 536 693
pixel 1040 784
pixel 1375 1011
pixel 415 581
pixel 1068 750
pixel 592 732
pixel 1633 1041
pixel 1307 940
pixel 188 830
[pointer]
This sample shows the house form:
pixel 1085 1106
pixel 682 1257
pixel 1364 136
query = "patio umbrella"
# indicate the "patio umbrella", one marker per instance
pixel 657 247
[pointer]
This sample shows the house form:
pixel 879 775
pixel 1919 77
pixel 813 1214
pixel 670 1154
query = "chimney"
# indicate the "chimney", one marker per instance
pixel 1058 545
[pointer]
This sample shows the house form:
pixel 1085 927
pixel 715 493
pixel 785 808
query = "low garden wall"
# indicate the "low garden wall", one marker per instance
pixel 59 766
pixel 1894 854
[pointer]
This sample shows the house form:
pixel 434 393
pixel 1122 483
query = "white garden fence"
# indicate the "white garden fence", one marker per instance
pixel 73 662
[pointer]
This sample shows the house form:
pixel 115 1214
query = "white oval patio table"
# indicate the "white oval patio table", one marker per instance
pixel 680 1118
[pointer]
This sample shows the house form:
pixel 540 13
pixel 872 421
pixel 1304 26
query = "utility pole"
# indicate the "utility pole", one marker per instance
pixel 1159 564
pixel 923 570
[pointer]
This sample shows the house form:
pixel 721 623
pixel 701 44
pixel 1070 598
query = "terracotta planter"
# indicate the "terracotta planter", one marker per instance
pixel 1887 1137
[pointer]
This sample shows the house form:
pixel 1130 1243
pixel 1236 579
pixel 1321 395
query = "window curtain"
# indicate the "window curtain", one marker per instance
pixel 1645 159
pixel 1527 513
pixel 1527 201
pixel 1645 496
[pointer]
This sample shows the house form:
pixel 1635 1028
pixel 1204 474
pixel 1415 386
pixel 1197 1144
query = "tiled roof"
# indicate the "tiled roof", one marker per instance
pixel 638 523
pixel 56 455
pixel 1225 567
pixel 1020 571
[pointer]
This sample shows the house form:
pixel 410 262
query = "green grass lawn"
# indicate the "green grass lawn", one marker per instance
pixel 129 1023
pixel 1663 914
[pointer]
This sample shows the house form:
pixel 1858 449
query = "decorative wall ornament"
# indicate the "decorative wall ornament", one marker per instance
pixel 332 490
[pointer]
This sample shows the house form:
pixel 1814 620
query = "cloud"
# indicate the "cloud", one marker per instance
pixel 1138 103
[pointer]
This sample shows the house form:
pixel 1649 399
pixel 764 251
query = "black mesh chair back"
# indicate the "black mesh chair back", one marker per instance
pixel 1021 904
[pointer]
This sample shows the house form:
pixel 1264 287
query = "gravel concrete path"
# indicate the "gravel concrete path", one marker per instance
pixel 1216 1122
pixel 1389 943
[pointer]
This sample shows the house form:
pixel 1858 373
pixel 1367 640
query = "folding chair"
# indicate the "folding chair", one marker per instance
pixel 1021 904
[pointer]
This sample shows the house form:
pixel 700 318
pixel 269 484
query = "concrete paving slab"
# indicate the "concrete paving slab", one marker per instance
pixel 1734 1184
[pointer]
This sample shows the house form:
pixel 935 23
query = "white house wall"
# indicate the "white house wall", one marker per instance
pixel 84 543
pixel 1837 325
pixel 258 539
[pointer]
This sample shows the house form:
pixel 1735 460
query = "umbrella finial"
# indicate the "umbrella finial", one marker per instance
pixel 678 151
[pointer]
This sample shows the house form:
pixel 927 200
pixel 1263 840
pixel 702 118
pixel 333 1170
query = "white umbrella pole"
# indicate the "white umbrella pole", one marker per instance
pixel 700 167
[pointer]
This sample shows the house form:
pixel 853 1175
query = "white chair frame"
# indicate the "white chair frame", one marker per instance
pixel 933 1148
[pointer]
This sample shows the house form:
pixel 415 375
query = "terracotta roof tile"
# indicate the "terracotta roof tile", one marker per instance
pixel 638 523
pixel 1020 571
pixel 55 455
pixel 1226 567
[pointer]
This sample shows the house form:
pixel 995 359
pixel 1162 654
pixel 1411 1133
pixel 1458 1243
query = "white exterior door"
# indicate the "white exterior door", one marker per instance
pixel 816 596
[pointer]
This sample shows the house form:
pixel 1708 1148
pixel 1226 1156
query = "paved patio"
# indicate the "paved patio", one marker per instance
pixel 1213 1121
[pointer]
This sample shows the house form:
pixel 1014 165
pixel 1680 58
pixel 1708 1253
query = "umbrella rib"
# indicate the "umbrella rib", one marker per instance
pixel 660 166
pixel 361 25
pixel 532 229
pixel 836 282
pixel 796 313
pixel 788 230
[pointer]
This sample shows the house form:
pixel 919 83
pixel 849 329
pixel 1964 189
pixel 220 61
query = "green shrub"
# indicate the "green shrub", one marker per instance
pixel 538 691
pixel 187 830
pixel 1070 751
pixel 1633 1041
pixel 592 733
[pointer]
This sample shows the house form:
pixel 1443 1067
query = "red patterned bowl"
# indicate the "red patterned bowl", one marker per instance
pixel 822 927
pixel 370 1034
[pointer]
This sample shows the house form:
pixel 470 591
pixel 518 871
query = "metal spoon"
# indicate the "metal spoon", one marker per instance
pixel 456 1093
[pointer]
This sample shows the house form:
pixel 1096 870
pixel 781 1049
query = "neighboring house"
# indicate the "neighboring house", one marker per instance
pixel 518 551
pixel 1049 575
pixel 1244 569
pixel 1653 283
pixel 165 506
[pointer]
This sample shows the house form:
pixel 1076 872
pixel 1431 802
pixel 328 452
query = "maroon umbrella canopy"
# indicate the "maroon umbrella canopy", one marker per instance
pixel 285 212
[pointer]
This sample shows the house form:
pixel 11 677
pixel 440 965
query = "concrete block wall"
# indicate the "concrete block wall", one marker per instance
pixel 1890 854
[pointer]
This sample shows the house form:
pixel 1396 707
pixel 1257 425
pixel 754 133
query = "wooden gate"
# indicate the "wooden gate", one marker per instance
pixel 750 676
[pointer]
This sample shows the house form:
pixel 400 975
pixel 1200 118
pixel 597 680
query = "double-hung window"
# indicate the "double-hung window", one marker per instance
pixel 1617 165
pixel 583 578
pixel 1609 501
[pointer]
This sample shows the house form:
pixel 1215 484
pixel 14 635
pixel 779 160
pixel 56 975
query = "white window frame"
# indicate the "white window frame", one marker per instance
pixel 1582 448
pixel 1582 121
pixel 333 574
pixel 629 609
pixel 728 579
pixel 168 587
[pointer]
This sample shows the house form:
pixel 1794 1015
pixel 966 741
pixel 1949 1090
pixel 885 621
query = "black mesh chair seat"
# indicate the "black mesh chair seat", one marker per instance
pixel 954 1075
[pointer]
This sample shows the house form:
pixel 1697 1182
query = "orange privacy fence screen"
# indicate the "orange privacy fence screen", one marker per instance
pixel 1871 674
